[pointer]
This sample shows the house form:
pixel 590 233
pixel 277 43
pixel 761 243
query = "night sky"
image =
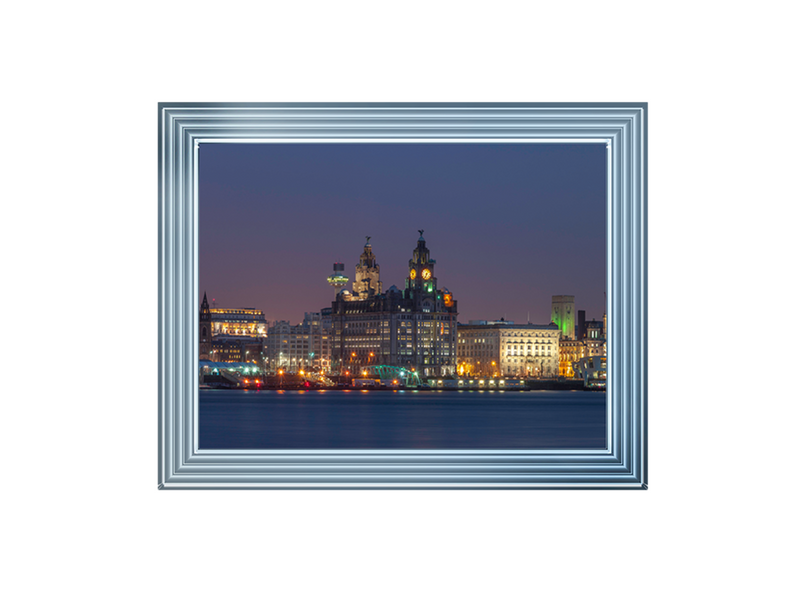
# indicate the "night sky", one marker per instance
pixel 509 225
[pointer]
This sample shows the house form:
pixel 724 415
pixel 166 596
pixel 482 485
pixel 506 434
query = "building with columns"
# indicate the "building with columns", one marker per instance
pixel 505 349
pixel 414 328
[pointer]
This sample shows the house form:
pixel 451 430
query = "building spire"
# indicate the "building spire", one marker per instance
pixel 367 274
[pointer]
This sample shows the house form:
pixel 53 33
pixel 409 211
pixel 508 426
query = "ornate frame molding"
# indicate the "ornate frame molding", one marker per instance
pixel 622 126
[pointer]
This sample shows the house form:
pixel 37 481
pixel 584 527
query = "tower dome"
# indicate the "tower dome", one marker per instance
pixel 337 280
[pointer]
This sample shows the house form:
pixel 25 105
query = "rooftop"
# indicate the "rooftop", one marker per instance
pixel 506 325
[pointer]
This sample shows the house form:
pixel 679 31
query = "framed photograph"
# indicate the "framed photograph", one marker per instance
pixel 402 295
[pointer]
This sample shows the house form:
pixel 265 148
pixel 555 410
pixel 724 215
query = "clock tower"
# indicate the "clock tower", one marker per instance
pixel 415 329
pixel 421 282
pixel 433 316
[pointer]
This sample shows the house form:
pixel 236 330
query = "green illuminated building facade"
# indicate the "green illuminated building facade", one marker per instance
pixel 563 314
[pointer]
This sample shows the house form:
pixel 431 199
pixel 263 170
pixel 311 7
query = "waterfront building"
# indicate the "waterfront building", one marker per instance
pixel 594 338
pixel 590 341
pixel 414 328
pixel 230 324
pixel 592 333
pixel 594 347
pixel 305 346
pixel 570 352
pixel 591 329
pixel 505 349
pixel 563 314
pixel 245 322
pixel 237 348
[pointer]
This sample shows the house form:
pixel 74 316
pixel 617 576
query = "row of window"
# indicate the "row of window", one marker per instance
pixel 522 347
pixel 517 361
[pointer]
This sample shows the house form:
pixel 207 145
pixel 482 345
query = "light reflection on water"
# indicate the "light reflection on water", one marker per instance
pixel 413 419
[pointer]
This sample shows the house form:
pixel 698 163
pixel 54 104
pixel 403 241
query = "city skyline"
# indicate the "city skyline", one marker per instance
pixel 274 218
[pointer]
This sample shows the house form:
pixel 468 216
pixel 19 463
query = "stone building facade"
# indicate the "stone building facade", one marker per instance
pixel 414 328
pixel 304 346
pixel 367 275
pixel 590 343
pixel 235 333
pixel 504 349
pixel 570 352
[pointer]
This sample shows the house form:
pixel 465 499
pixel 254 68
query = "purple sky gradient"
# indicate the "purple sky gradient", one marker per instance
pixel 509 225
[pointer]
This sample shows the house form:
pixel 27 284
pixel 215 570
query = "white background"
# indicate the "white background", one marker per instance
pixel 84 520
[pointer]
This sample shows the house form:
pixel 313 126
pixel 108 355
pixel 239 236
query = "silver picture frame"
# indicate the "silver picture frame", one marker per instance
pixel 621 126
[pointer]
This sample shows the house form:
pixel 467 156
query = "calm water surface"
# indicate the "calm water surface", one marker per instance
pixel 401 419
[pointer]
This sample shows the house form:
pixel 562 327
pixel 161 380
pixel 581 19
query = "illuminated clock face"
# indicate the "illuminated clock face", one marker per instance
pixel 412 274
pixel 426 274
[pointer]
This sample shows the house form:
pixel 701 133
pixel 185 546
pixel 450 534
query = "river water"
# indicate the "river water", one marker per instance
pixel 413 419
